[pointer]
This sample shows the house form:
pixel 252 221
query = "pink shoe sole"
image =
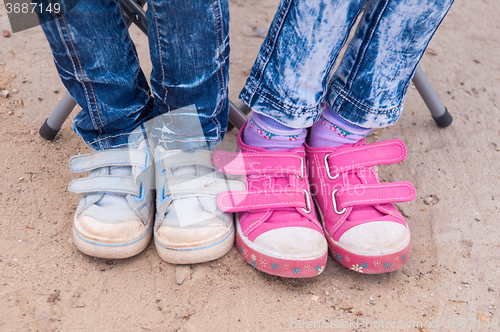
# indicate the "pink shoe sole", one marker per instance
pixel 369 264
pixel 365 263
pixel 281 267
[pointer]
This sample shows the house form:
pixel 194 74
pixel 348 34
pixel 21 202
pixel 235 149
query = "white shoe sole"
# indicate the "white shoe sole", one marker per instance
pixel 196 254
pixel 363 263
pixel 112 250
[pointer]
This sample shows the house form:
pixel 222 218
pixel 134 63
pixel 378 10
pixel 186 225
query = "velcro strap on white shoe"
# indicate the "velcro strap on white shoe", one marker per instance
pixel 200 185
pixel 367 155
pixel 242 201
pixel 178 158
pixel 280 162
pixel 106 184
pixel 112 157
pixel 373 194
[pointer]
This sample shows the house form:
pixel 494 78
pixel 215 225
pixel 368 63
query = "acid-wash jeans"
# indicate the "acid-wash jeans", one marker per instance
pixel 99 65
pixel 290 80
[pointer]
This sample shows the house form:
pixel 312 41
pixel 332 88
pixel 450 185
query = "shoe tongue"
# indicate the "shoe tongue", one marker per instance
pixel 184 171
pixel 188 171
pixel 192 171
pixel 127 170
pixel 120 170
pixel 363 212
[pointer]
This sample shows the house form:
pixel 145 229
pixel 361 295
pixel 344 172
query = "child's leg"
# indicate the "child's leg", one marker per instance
pixel 369 87
pixel 289 78
pixel 288 84
pixel 99 66
pixel 365 231
pixel 189 46
pixel 277 229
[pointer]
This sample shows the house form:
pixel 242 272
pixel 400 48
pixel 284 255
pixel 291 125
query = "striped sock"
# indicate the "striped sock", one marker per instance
pixel 331 131
pixel 263 132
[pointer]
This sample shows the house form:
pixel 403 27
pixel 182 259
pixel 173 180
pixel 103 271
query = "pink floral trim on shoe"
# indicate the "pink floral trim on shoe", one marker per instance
pixel 280 267
pixel 352 203
pixel 369 264
pixel 276 220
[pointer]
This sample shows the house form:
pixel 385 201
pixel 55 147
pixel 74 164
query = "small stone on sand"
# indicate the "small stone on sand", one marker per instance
pixel 181 273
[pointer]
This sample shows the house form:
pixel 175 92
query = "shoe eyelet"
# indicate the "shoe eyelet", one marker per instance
pixel 143 193
pixel 328 169
pixel 308 208
pixel 335 203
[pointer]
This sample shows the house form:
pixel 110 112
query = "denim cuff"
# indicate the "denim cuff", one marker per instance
pixel 355 112
pixel 265 103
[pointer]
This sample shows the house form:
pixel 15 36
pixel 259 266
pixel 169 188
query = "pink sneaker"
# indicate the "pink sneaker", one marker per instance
pixel 365 232
pixel 277 230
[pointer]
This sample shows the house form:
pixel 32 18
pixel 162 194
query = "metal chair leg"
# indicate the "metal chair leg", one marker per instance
pixel 54 122
pixel 439 113
pixel 237 114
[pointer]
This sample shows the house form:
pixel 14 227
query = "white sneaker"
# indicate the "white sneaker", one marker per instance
pixel 114 217
pixel 189 227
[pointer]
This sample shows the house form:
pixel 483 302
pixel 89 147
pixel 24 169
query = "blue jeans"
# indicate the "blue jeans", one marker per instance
pixel 291 77
pixel 99 65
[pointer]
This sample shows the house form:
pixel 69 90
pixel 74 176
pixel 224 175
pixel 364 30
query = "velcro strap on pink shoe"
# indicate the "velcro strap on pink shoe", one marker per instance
pixel 366 155
pixel 372 194
pixel 239 163
pixel 242 201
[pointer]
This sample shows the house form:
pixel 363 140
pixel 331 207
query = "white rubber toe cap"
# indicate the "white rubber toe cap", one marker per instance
pixel 174 237
pixel 291 243
pixel 109 233
pixel 375 238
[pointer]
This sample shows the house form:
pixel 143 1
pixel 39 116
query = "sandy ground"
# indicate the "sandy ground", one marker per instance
pixel 451 280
